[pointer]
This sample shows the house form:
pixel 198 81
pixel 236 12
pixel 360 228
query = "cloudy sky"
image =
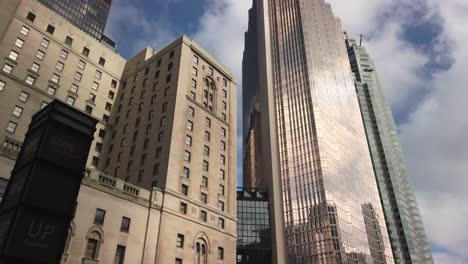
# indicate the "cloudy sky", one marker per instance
pixel 421 51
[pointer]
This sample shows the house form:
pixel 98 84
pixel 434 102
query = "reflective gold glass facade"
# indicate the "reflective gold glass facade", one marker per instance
pixel 330 201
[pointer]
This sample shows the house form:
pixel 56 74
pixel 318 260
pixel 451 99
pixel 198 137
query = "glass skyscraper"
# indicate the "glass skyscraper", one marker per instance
pixel 88 15
pixel 404 224
pixel 325 204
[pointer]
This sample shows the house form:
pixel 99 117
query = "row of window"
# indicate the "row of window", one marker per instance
pixel 68 40
pixel 199 249
pixel 100 217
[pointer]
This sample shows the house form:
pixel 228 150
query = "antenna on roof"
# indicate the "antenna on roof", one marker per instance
pixel 360 40
pixel 154 48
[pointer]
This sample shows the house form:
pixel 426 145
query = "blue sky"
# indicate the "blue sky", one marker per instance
pixel 420 50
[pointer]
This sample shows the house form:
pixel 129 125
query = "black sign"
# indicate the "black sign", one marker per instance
pixel 40 198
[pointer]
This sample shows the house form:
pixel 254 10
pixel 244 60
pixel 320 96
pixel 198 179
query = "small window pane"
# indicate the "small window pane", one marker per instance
pixel 35 67
pixel 24 31
pixel 19 43
pixel 13 55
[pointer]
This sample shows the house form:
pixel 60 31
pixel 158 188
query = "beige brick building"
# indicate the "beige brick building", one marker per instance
pixel 164 156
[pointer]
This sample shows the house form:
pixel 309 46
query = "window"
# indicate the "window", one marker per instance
pixel 183 208
pixel 102 133
pixel 151 115
pixel 221 206
pixel 35 67
pixel 162 122
pixel 23 97
pixel 184 189
pixel 105 118
pixel 50 29
pixel 206 150
pixel 221 174
pixel 221 223
pixel 153 99
pixel 187 156
pixel 89 109
pixel 108 106
pixel 98 147
pixel 224 105
pixel 220 253
pixel 91 248
pixel 2 86
pixel 7 68
pixel 99 217
pixel 102 61
pixel 78 76
pixel 125 225
pixel 92 98
pixel 210 71
pixel 95 161
pixel 45 43
pixel 195 71
pixel 59 66
pixel 158 152
pixel 30 80
pixel 68 41
pixel 13 55
pixel 95 86
pixel 164 107
pixel 188 140
pixel 98 75
pixel 223 116
pixel 51 90
pixel 160 136
pixel 24 30
pixel 85 51
pixel 224 93
pixel 208 122
pixel 156 75
pixel 203 215
pixel 169 66
pixel 40 54
pixel 171 55
pixel 111 95
pixel 222 159
pixel 64 54
pixel 223 145
pixel 193 95
pixel 190 125
pixel 180 241
pixel 191 111
pixel 178 261
pixel 194 83
pixel 31 17
pixel 113 83
pixel 204 182
pixel 195 59
pixel 70 100
pixel 119 255
pixel 204 198
pixel 81 65
pixel 223 132
pixel 148 128
pixel 11 127
pixel 166 91
pixel 207 136
pixel 186 173
pixel 17 111
pixel 55 78
pixel 225 82
pixel 221 189
pixel 19 43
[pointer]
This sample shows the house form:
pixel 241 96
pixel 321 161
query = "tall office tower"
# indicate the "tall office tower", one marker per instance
pixel 88 15
pixel 253 177
pixel 404 224
pixel 174 127
pixel 253 227
pixel 45 58
pixel 325 201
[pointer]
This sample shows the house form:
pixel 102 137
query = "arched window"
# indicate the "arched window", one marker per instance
pixel 209 94
pixel 200 252
pixel 93 243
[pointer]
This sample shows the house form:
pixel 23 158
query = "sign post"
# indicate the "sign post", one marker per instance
pixel 40 199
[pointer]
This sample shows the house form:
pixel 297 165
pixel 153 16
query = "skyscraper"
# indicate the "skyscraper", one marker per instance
pixel 324 197
pixel 405 227
pixel 88 15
